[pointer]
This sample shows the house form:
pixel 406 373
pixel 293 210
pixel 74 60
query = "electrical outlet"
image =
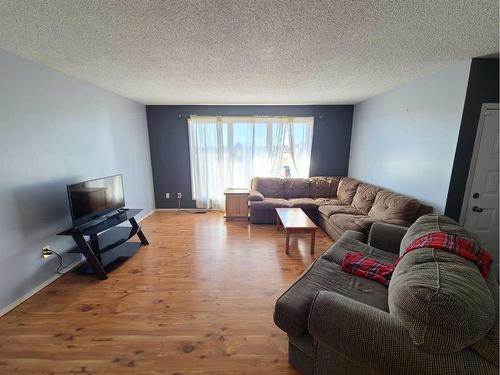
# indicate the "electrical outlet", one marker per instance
pixel 46 252
pixel 179 195
pixel 167 195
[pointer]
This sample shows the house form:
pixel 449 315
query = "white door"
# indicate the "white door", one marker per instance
pixel 480 211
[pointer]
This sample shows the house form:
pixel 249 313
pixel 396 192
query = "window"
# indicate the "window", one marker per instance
pixel 230 151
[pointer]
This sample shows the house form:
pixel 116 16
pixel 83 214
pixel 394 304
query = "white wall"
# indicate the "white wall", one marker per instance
pixel 404 140
pixel 56 130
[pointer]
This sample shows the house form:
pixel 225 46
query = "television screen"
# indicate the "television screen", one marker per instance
pixel 90 200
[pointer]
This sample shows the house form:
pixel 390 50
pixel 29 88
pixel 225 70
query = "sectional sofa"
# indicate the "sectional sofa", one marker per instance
pixel 430 321
pixel 335 203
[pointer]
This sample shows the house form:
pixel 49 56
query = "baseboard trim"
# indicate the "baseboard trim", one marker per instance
pixel 188 209
pixel 147 215
pixel 51 279
pixel 39 287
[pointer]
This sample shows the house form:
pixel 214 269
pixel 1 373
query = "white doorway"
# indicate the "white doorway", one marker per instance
pixel 480 207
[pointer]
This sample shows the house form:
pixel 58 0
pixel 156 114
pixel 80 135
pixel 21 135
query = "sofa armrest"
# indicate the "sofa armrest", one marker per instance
pixel 334 318
pixel 377 340
pixel 255 196
pixel 386 236
pixel 355 235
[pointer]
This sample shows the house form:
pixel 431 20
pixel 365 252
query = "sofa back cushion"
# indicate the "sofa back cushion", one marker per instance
pixel 296 188
pixel 424 210
pixel 347 189
pixel 270 187
pixel 364 197
pixel 394 208
pixel 323 187
pixel 441 299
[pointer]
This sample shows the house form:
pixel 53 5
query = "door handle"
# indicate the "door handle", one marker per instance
pixel 477 209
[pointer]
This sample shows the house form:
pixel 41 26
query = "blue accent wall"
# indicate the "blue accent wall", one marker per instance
pixel 169 144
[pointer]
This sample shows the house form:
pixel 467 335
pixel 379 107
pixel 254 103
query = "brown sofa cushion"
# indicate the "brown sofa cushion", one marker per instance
pixel 292 308
pixel 296 188
pixel 347 244
pixel 306 203
pixel 394 208
pixel 347 189
pixel 270 187
pixel 424 210
pixel 330 210
pixel 364 197
pixel 488 347
pixel 269 204
pixel 441 298
pixel 359 223
pixel 323 187
pixel 329 202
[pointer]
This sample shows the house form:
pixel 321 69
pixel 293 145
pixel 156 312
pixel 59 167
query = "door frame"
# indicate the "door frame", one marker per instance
pixel 477 143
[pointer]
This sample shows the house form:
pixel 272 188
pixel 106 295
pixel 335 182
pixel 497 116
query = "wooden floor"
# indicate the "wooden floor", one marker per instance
pixel 198 300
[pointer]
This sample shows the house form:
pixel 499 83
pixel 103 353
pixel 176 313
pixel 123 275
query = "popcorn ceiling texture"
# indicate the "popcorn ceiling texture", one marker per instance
pixel 248 52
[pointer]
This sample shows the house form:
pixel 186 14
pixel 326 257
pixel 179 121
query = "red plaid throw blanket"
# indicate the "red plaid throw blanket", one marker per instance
pixel 460 246
pixel 359 265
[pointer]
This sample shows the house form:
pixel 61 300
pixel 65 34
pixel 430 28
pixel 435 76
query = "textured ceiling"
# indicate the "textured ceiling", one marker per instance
pixel 248 52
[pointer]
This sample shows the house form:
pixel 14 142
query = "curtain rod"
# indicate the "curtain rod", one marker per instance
pixel 187 115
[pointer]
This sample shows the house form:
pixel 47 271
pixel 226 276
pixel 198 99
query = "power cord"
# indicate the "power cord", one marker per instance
pixel 61 263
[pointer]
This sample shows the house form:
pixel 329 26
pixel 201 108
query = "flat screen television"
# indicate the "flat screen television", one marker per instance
pixel 94 199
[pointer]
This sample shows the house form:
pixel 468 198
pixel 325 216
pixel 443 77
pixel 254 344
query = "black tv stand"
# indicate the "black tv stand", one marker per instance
pixel 108 243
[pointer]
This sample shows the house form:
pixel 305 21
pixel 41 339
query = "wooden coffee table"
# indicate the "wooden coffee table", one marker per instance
pixel 294 220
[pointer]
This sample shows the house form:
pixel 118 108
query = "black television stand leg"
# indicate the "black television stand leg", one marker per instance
pixel 90 256
pixel 140 233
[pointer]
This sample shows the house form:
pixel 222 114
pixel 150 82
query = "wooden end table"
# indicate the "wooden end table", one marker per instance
pixel 294 220
pixel 236 204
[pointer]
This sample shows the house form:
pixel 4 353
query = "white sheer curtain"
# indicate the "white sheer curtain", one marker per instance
pixel 268 146
pixel 229 151
pixel 207 161
pixel 300 133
